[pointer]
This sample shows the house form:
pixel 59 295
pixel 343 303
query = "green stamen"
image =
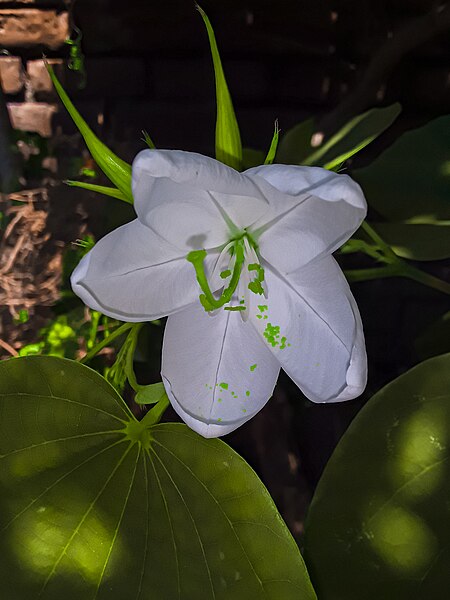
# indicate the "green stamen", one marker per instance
pixel 255 286
pixel 207 299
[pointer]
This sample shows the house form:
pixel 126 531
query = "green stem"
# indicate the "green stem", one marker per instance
pixel 95 320
pixel 155 414
pixel 96 349
pixel 379 241
pixel 425 278
pixel 355 275
pixel 129 368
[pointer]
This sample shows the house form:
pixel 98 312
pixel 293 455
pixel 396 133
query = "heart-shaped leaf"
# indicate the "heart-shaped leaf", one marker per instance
pixel 410 181
pixel 95 505
pixel 379 526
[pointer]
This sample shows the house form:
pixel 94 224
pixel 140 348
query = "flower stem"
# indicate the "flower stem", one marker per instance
pixel 425 278
pixel 154 415
pixel 355 275
pixel 96 349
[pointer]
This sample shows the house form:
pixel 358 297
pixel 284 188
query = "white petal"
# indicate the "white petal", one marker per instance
pixel 319 212
pixel 192 200
pixel 208 369
pixel 324 351
pixel 133 275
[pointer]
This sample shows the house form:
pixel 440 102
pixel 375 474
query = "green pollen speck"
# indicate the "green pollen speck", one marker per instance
pixel 224 386
pixel 272 333
pixel 259 316
pixel 235 308
pixel 219 399
pixel 262 307
pixel 253 367
pixel 218 420
pixel 225 274
pixel 247 393
pixel 242 301
pixel 283 343
pixel 244 410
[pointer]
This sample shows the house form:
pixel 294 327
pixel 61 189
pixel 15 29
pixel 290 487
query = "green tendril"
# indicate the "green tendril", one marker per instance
pixel 207 299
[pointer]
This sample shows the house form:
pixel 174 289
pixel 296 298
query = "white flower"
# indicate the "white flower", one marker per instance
pixel 262 242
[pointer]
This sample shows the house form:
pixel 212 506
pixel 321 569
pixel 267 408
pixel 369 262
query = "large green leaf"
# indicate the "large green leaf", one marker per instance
pixel 228 137
pixel 116 169
pixel 417 241
pixel 351 139
pixel 96 505
pixel 379 526
pixel 410 181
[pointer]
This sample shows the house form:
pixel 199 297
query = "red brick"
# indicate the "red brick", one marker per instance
pixel 11 75
pixel 35 117
pixel 31 27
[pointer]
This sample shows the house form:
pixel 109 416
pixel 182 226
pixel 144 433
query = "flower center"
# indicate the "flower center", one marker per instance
pixel 240 248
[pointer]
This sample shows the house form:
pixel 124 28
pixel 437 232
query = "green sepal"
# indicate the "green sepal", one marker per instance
pixel 116 169
pixel 228 138
pixel 100 189
pixel 148 140
pixel 150 394
pixel 273 145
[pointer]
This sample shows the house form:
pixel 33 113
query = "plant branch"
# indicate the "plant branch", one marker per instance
pixel 110 338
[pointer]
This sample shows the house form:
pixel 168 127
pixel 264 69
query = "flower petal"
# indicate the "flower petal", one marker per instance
pixel 192 200
pixel 216 371
pixel 314 311
pixel 319 212
pixel 133 275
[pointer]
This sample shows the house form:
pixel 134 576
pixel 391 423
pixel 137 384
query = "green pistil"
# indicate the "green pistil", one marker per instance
pixel 255 286
pixel 207 299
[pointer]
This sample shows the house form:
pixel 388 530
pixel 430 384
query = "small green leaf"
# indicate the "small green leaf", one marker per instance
pixel 295 144
pixel 273 145
pixel 95 504
pixel 100 189
pixel 417 241
pixel 410 181
pixel 150 394
pixel 117 170
pixel 228 138
pixel 148 140
pixel 353 137
pixel 378 526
